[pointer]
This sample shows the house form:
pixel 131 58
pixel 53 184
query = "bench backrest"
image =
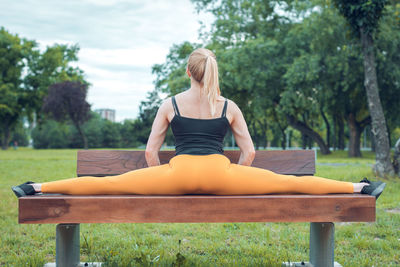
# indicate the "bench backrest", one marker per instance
pixel 113 162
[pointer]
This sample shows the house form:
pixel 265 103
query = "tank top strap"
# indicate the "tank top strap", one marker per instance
pixel 175 106
pixel 224 109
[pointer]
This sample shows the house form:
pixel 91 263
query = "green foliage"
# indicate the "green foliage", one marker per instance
pixel 147 112
pixel 362 14
pixel 99 132
pixel 20 135
pixel 387 54
pixel 51 134
pixel 13 51
pixel 25 74
pixel 237 21
pixel 45 69
pixel 130 132
pixel 171 76
pixel 111 134
pixel 93 130
pixel 67 101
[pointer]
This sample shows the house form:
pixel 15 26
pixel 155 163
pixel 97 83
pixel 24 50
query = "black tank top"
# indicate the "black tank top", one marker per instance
pixel 199 136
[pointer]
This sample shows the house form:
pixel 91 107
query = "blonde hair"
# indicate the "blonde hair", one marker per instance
pixel 203 67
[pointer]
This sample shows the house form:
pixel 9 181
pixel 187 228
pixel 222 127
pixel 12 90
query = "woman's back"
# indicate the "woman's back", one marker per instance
pixel 198 136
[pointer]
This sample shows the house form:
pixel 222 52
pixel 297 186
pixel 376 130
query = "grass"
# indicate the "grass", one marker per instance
pixel 198 244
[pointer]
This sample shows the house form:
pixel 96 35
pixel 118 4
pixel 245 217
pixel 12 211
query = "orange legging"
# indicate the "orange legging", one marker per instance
pixel 193 174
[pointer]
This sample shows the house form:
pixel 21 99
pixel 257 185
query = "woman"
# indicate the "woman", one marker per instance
pixel 200 118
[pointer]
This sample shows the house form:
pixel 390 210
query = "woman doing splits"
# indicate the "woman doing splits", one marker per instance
pixel 199 118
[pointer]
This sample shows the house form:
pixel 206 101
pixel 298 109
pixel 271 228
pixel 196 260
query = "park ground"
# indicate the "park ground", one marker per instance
pixel 199 244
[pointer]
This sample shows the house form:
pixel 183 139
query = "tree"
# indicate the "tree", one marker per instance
pixel 324 80
pixel 363 16
pixel 250 75
pixel 20 134
pixel 129 133
pixel 396 157
pixel 93 131
pixel 25 75
pixel 147 112
pixel 13 51
pixel 387 46
pixel 47 68
pixel 51 134
pixel 67 100
pixel 98 131
pixel 171 76
pixel 111 134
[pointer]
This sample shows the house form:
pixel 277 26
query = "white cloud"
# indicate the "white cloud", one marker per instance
pixel 105 2
pixel 139 56
pixel 119 40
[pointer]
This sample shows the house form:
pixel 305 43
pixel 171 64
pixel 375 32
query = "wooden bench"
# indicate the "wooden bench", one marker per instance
pixel 321 210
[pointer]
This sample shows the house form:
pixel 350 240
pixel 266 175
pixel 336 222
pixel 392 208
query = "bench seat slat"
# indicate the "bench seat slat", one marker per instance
pixel 113 162
pixel 196 208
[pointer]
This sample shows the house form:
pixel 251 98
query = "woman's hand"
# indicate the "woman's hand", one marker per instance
pixel 157 135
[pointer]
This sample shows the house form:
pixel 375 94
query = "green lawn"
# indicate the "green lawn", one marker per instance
pixel 217 244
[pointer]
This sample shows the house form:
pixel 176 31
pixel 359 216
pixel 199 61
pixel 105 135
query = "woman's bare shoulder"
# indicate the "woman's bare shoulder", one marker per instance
pixel 166 109
pixel 220 98
pixel 232 111
pixel 180 95
pixel 166 106
pixel 232 105
pixel 166 102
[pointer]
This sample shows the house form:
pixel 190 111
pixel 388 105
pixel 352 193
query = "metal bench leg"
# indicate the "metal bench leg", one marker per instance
pixel 322 244
pixel 67 245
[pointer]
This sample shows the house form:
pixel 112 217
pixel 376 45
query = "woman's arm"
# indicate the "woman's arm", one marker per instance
pixel 242 135
pixel 157 135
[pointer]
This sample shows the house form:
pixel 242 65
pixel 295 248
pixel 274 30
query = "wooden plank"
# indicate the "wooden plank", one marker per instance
pixel 196 208
pixel 113 162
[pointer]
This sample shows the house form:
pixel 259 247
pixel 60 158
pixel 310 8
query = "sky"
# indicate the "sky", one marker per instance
pixel 119 40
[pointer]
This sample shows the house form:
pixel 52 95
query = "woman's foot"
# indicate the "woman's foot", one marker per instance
pixel 24 189
pixel 357 187
pixel 373 188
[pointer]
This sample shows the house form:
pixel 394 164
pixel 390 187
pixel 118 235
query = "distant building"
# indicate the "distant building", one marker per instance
pixel 106 113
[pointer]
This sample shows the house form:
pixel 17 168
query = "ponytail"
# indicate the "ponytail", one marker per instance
pixel 203 66
pixel 210 82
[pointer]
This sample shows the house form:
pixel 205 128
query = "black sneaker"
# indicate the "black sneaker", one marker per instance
pixel 373 189
pixel 24 189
